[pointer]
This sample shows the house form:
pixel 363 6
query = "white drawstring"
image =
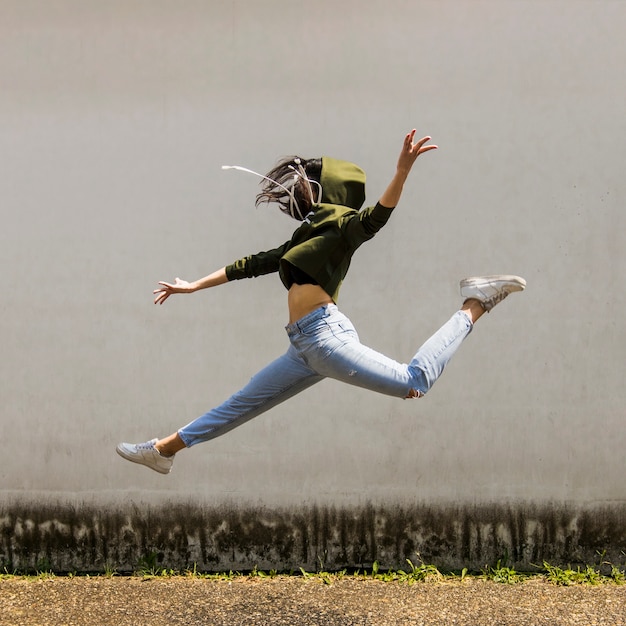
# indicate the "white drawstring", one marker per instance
pixel 301 172
pixel 298 173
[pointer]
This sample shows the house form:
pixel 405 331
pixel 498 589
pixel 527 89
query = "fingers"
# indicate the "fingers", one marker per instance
pixel 426 149
pixel 165 290
pixel 163 293
pixel 422 141
pixel 419 147
pixel 161 298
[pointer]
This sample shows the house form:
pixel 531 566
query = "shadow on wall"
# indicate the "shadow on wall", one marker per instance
pixel 63 538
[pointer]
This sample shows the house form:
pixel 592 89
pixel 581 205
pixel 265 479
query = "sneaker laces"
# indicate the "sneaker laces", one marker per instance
pixel 148 445
pixel 490 302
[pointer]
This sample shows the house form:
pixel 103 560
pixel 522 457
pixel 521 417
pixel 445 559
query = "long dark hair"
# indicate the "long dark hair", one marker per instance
pixel 287 173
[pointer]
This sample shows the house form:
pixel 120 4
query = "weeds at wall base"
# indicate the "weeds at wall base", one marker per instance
pixel 421 573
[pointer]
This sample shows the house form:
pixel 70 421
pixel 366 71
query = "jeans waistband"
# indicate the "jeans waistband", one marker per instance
pixel 310 318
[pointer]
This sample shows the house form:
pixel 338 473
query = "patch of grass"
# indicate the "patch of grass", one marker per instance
pixel 328 578
pixel 109 570
pixel 420 573
pixel 148 567
pixel 306 574
pixel 257 573
pixel 586 575
pixel 415 573
pixel 43 569
pixel 501 573
pixel 6 574
pixel 617 575
pixel 227 576
pixel 589 575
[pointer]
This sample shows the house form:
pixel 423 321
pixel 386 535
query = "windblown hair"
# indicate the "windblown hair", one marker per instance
pixel 286 173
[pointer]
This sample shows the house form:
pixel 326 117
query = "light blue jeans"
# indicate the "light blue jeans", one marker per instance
pixel 324 344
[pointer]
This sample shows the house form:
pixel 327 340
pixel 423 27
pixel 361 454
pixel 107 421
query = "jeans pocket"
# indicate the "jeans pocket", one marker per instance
pixel 337 335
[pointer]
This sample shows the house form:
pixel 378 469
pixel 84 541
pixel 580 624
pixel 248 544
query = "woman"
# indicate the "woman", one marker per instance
pixel 326 196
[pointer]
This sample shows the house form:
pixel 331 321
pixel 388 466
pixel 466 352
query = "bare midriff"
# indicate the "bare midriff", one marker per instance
pixel 302 299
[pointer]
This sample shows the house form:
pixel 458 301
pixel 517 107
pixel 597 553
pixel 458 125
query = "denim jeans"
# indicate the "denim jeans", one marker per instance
pixel 324 344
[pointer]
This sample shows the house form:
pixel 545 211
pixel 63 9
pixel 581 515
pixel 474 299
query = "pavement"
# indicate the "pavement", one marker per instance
pixel 292 600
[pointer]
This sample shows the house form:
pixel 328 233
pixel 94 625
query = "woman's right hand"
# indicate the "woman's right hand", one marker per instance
pixel 167 289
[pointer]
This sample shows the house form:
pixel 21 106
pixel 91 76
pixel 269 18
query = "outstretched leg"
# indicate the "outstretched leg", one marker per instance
pixel 335 351
pixel 343 357
pixel 277 382
pixel 280 380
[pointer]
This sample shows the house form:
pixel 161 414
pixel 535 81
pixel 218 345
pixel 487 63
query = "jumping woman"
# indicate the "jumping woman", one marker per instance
pixel 325 195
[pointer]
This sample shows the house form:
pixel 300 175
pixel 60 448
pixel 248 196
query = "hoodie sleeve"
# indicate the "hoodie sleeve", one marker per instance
pixel 366 223
pixel 256 264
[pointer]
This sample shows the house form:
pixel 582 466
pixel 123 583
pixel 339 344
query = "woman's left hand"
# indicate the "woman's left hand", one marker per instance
pixel 410 151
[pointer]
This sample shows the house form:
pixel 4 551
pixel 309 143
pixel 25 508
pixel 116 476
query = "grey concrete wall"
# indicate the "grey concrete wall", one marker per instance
pixel 226 538
pixel 115 118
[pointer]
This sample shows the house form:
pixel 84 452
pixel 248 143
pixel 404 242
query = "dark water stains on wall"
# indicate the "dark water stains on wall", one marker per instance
pixel 65 538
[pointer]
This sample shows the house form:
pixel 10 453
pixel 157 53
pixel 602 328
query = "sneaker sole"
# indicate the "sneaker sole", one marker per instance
pixel 496 278
pixel 135 460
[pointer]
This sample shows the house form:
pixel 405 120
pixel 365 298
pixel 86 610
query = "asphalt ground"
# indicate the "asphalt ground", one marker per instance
pixel 164 601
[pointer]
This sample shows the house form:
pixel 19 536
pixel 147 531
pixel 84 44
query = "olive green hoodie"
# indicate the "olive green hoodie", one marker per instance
pixel 323 245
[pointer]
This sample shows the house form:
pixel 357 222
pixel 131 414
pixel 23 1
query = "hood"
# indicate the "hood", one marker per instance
pixel 342 183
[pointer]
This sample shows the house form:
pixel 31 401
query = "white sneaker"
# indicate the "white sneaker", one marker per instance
pixel 146 454
pixel 489 290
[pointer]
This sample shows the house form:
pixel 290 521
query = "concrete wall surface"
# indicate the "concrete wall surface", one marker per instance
pixel 189 537
pixel 115 118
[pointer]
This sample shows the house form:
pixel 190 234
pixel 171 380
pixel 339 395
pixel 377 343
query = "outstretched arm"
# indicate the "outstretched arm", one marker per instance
pixel 248 267
pixel 182 286
pixel 408 155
